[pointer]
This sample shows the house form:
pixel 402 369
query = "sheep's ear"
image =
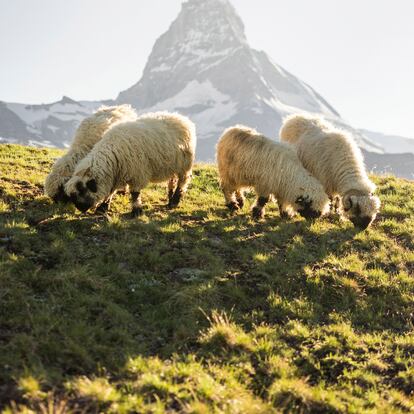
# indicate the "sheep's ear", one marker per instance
pixel 347 201
pixel 80 187
pixel 92 185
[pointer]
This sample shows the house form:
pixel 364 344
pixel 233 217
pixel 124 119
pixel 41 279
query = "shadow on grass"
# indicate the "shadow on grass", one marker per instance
pixel 83 292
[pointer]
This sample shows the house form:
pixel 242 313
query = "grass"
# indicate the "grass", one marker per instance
pixel 196 311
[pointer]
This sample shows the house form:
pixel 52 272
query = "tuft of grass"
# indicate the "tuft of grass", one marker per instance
pixel 224 334
pixel 199 311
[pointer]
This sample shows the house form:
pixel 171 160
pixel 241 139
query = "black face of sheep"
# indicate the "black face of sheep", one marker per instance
pixel 305 208
pixel 82 199
pixel 61 196
pixel 361 211
pixel 361 223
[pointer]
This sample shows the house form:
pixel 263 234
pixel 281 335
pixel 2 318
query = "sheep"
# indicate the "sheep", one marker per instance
pixel 89 132
pixel 155 148
pixel 332 156
pixel 247 159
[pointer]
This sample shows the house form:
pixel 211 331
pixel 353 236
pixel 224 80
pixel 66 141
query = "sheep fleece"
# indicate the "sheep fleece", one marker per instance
pixel 89 132
pixel 153 148
pixel 333 157
pixel 247 159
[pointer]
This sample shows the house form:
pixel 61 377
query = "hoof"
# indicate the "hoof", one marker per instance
pixel 258 213
pixel 285 216
pixel 102 210
pixel 240 202
pixel 137 212
pixel 233 207
pixel 172 205
pixel 175 200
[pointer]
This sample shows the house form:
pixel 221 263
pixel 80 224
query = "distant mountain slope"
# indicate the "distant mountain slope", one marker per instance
pixel 401 165
pixel 392 144
pixel 44 125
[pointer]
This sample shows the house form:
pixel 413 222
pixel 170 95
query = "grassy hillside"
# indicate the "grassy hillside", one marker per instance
pixel 195 311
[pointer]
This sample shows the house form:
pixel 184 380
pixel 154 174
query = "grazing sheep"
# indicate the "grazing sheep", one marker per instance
pixel 155 148
pixel 89 132
pixel 333 157
pixel 247 159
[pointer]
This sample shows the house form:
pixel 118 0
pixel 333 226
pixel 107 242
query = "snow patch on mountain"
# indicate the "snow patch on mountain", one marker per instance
pixel 207 106
pixel 48 125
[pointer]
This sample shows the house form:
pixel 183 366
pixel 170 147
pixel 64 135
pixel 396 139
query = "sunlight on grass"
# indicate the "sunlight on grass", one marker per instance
pixel 198 311
pixel 97 389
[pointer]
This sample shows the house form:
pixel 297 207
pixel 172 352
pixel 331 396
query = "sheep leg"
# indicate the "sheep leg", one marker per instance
pixel 335 204
pixel 182 185
pixel 104 207
pixel 284 212
pixel 172 185
pixel 259 208
pixel 136 204
pixel 230 197
pixel 240 198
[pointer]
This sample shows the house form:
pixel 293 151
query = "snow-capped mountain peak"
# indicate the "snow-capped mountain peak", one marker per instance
pixel 205 33
pixel 203 67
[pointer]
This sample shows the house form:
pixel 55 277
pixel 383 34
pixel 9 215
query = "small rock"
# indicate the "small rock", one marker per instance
pixel 216 242
pixel 188 274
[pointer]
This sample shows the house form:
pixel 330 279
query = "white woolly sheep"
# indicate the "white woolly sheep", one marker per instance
pixel 247 159
pixel 89 132
pixel 332 156
pixel 155 148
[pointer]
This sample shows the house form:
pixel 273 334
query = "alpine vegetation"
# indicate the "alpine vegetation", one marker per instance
pixel 89 132
pixel 247 159
pixel 333 157
pixel 155 148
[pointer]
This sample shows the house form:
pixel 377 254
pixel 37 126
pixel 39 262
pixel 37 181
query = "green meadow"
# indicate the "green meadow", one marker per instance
pixel 198 311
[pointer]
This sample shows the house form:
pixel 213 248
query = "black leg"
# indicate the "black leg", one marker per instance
pixel 136 204
pixel 232 206
pixel 176 198
pixel 284 215
pixel 172 185
pixel 103 208
pixel 240 200
pixel 170 195
pixel 259 209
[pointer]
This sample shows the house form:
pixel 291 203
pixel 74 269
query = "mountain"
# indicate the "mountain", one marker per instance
pixel 392 144
pixel 203 67
pixel 49 125
pixel 401 165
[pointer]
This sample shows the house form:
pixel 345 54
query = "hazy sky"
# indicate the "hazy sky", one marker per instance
pixel 359 54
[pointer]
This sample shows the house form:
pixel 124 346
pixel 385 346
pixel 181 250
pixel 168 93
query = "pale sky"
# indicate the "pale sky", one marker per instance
pixel 358 54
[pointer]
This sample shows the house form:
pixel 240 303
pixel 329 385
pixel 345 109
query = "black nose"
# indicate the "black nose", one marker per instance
pixel 361 223
pixel 309 213
pixel 83 208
